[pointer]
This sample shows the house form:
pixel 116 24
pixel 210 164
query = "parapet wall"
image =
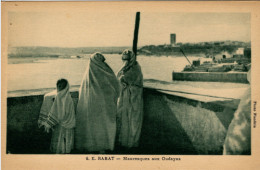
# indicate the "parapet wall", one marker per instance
pixel 172 125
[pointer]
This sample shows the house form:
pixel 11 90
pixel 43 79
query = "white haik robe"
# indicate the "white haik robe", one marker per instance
pixel 60 115
pixel 130 103
pixel 96 109
pixel 238 139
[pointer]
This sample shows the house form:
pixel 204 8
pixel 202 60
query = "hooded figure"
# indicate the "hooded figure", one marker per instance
pixel 130 102
pixel 238 138
pixel 58 113
pixel 96 110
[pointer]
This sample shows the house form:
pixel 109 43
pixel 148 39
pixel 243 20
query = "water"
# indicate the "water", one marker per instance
pixel 45 73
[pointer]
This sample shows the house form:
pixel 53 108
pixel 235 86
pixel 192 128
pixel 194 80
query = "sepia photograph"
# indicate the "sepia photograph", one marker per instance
pixel 126 84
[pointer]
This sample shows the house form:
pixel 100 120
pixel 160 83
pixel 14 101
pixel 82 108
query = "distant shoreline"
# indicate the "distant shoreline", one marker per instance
pixel 205 49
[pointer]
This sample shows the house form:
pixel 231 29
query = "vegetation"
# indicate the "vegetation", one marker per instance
pixel 206 48
pixel 203 48
pixel 54 52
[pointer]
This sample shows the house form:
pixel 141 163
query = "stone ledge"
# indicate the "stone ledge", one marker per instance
pixel 237 77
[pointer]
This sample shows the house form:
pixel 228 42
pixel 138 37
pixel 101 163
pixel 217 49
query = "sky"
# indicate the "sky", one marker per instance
pixel 85 29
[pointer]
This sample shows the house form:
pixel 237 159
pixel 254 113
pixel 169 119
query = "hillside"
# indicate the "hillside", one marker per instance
pixel 17 52
pixel 205 48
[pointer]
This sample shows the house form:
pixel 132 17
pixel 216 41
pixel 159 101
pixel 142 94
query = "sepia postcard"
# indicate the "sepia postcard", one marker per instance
pixel 130 85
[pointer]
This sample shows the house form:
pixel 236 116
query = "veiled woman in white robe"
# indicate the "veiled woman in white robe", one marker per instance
pixel 130 102
pixel 60 116
pixel 96 109
pixel 238 138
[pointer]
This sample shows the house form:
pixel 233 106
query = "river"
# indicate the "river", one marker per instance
pixel 43 73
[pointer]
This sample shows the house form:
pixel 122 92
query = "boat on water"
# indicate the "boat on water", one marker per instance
pixel 236 63
pixel 232 69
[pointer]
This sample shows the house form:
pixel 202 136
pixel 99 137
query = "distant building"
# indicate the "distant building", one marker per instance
pixel 240 51
pixel 173 39
pixel 75 56
pixel 222 55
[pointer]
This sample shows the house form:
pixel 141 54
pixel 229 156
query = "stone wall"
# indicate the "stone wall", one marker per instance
pixel 240 77
pixel 172 125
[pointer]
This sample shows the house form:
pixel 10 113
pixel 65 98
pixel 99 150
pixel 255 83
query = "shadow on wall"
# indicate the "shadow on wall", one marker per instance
pixel 175 125
pixel 23 134
pixel 162 133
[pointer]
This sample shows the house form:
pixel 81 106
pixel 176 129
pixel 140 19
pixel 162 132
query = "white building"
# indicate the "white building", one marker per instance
pixel 222 55
pixel 240 51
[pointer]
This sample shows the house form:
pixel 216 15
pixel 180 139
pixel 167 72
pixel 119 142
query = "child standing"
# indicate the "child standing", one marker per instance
pixel 59 115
